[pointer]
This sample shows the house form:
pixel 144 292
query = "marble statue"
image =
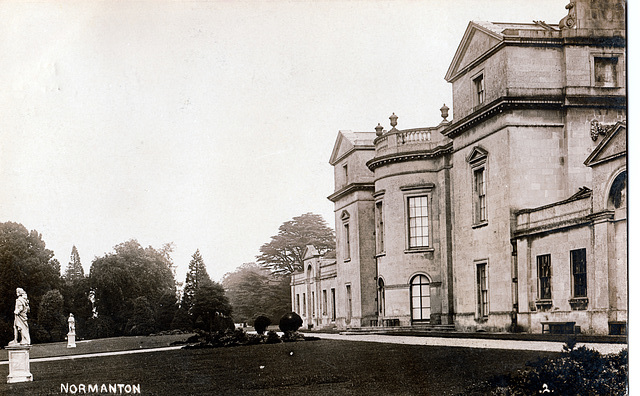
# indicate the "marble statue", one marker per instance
pixel 72 324
pixel 20 325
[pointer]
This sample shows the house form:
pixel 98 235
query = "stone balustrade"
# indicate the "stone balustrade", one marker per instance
pixel 397 141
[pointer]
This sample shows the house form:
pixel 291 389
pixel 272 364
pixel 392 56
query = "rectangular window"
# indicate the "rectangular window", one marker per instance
pixel 480 194
pixel 379 227
pixel 333 304
pixel 579 271
pixel 313 303
pixel 483 290
pixel 605 71
pixel 324 303
pixel 298 303
pixel 478 84
pixel 418 221
pixel 544 276
pixel 347 242
pixel 304 304
pixel 345 172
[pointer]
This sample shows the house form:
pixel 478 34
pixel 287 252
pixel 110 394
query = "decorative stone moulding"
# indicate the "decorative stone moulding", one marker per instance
pixel 579 303
pixel 544 305
pixel 598 129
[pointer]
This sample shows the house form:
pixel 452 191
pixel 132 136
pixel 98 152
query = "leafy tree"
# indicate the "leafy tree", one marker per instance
pixel 74 269
pixel 166 310
pixel 121 277
pixel 24 262
pixel 142 320
pixel 196 276
pixel 181 320
pixel 211 305
pixel 283 254
pixel 51 322
pixel 254 291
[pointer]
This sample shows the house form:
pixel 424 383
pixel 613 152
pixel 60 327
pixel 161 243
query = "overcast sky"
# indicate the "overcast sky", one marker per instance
pixel 208 124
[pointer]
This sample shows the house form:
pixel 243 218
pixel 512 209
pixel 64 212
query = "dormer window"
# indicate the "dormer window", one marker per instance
pixel 478 85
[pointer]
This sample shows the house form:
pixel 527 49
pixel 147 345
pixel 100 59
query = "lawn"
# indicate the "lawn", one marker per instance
pixel 321 367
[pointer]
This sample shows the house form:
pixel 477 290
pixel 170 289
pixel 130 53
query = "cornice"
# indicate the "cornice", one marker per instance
pixel 410 156
pixel 499 105
pixel 351 151
pixel 350 188
pixel 583 193
pixel 553 227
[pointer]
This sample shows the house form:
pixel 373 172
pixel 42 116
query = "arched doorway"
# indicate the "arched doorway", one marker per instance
pixel 380 298
pixel 420 299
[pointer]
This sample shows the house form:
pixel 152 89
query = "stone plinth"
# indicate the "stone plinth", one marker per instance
pixel 71 340
pixel 19 364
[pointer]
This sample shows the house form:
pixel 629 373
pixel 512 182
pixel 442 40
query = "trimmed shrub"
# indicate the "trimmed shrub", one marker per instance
pixel 290 322
pixel 261 323
pixel 272 338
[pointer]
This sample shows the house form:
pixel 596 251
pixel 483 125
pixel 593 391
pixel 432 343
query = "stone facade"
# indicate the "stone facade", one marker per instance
pixel 512 216
pixel 313 291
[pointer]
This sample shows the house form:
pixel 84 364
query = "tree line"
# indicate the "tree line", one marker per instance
pixel 132 290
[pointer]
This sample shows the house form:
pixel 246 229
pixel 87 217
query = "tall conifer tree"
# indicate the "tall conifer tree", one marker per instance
pixel 197 277
pixel 74 269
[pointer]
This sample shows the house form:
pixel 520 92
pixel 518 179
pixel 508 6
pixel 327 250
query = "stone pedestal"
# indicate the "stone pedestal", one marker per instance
pixel 19 363
pixel 71 340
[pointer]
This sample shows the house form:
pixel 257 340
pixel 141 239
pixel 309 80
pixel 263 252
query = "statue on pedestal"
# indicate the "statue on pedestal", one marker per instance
pixel 20 325
pixel 71 336
pixel 72 324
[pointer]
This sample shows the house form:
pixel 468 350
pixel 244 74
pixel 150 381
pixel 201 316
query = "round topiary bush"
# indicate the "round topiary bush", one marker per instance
pixel 290 322
pixel 261 323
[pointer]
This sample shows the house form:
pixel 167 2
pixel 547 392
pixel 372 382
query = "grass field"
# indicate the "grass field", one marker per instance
pixel 321 367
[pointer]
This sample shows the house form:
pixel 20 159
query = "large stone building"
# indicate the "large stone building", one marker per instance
pixel 512 216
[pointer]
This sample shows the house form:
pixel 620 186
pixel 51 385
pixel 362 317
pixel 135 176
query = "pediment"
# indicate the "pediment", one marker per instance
pixel 477 154
pixel 341 147
pixel 344 216
pixel 613 145
pixel 477 40
pixel 310 252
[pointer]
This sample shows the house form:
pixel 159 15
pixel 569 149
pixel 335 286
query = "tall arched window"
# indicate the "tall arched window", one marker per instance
pixel 381 297
pixel 618 192
pixel 420 299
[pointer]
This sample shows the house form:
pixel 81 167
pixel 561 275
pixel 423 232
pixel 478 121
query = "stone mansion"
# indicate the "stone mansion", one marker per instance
pixel 512 216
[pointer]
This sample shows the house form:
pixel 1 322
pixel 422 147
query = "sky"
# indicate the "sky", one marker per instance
pixel 208 123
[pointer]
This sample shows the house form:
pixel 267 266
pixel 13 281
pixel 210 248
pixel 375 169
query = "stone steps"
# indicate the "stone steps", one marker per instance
pixel 400 329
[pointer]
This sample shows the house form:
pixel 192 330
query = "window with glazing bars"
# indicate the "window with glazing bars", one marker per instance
pixel 380 227
pixel 478 83
pixel 418 221
pixel 480 186
pixel 544 276
pixel 483 292
pixel 420 298
pixel 579 270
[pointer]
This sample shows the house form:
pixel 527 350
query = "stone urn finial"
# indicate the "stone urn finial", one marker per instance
pixel 379 129
pixel 394 120
pixel 444 112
